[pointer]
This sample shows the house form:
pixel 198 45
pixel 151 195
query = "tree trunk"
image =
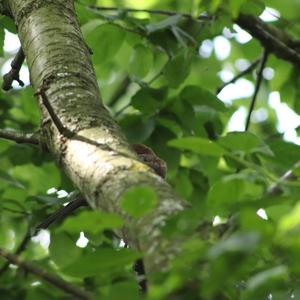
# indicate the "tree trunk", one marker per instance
pixel 96 156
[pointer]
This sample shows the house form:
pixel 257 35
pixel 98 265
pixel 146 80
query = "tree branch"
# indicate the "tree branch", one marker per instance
pixel 273 39
pixel 289 175
pixel 106 166
pixel 20 138
pixel 251 67
pixel 50 278
pixel 61 213
pixel 13 74
pixel 150 11
pixel 257 86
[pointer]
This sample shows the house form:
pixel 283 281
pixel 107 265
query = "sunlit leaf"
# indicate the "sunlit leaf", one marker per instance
pixel 198 145
pixel 138 201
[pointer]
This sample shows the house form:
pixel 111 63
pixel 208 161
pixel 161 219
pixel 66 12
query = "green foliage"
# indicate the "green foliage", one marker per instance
pixel 137 201
pixel 172 66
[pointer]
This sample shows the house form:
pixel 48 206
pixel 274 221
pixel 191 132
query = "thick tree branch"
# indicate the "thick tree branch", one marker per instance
pixel 273 39
pixel 20 138
pixel 42 274
pixel 13 74
pixel 98 159
pixel 257 86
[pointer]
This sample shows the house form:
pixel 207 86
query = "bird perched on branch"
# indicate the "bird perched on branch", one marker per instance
pixel 148 157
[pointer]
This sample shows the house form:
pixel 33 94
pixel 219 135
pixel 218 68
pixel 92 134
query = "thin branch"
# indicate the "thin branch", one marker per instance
pixel 289 175
pixel 118 113
pixel 63 130
pixel 257 86
pixel 20 138
pixel 13 74
pixel 57 122
pixel 61 213
pixel 50 278
pixel 251 67
pixel 150 11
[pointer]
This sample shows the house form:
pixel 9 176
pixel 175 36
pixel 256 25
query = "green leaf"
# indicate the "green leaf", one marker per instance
pixel 172 125
pixel 178 68
pixel 167 22
pixel 290 222
pixel 102 262
pixel 253 7
pixel 245 142
pixel 104 39
pixel 235 6
pixel 285 154
pixel 138 201
pixel 238 242
pixel 8 23
pixel 37 179
pixel 266 277
pixel 231 190
pixel 63 249
pixel 124 291
pixel 183 185
pixel 5 177
pixel 2 41
pixel 91 221
pixel 141 61
pixel 197 145
pixel 145 102
pixel 137 128
pixel 199 96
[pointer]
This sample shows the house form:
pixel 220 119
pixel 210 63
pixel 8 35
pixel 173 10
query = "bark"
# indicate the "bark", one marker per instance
pixel 98 158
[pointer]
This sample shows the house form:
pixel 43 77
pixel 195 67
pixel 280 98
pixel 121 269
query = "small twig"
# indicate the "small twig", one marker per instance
pixel 63 130
pixel 59 125
pixel 118 113
pixel 20 138
pixel 257 86
pixel 13 74
pixel 289 175
pixel 150 11
pixel 50 278
pixel 251 67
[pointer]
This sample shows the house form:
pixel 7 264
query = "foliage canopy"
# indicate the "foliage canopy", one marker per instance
pixel 161 67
